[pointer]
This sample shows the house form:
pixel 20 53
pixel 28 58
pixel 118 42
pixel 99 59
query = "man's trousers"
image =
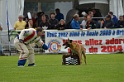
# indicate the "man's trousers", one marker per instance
pixel 26 53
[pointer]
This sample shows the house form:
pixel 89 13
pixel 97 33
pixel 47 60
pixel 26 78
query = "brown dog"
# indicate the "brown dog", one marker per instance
pixel 76 48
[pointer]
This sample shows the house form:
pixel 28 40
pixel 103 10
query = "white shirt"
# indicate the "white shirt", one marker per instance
pixel 30 36
pixel 84 24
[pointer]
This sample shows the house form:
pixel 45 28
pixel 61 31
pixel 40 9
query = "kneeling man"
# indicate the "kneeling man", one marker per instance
pixel 23 44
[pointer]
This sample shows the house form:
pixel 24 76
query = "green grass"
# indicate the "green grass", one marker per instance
pixel 99 68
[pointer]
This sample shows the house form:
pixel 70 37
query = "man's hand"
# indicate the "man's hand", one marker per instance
pixel 45 47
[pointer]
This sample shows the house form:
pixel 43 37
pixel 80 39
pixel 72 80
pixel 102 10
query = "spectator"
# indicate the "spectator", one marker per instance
pixel 59 15
pixel 121 22
pixel 75 24
pixel 90 13
pixel 96 14
pixel 108 22
pixel 101 22
pixel 34 18
pixel 84 22
pixel 44 22
pixel 30 24
pixel 38 19
pixel 53 21
pixel 1 26
pixel 90 23
pixel 1 49
pixel 61 25
pixel 114 19
pixel 20 24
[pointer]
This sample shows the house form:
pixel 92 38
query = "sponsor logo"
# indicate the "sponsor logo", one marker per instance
pixel 54 46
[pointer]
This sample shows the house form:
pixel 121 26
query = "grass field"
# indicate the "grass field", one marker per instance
pixel 99 68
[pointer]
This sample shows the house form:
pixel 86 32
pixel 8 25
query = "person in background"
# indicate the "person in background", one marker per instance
pixel 53 21
pixel 84 22
pixel 44 22
pixel 90 13
pixel 61 25
pixel 114 19
pixel 30 24
pixel 59 15
pixel 90 23
pixel 75 24
pixel 20 24
pixel 108 22
pixel 38 18
pixel 1 49
pixel 121 22
pixel 34 18
pixel 1 26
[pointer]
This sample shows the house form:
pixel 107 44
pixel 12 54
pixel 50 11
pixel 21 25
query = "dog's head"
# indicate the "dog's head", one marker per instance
pixel 67 43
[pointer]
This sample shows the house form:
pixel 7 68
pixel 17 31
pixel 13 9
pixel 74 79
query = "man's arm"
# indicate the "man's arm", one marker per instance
pixel 22 35
pixel 42 44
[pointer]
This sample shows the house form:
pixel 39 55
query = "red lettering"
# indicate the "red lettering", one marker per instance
pixel 119 47
pixel 114 41
pixel 86 42
pixel 100 42
pixel 107 41
pixel 93 49
pixel 93 42
pixel 103 49
pixel 111 48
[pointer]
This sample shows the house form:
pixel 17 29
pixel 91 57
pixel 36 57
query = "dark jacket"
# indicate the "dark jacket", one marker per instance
pixel 91 25
pixel 59 16
pixel 53 23
pixel 61 27
pixel 108 24
pixel 115 21
pixel 45 24
pixel 120 24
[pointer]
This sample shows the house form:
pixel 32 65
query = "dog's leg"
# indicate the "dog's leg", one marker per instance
pixel 80 57
pixel 84 57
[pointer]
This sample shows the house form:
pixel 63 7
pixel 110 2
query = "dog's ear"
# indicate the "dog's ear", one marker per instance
pixel 70 41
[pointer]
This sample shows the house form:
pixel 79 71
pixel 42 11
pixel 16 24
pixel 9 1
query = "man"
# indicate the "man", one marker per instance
pixel 53 21
pixel 1 50
pixel 114 19
pixel 59 15
pixel 75 24
pixel 90 23
pixel 23 44
pixel 108 22
pixel 20 24
pixel 121 22
pixel 44 22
